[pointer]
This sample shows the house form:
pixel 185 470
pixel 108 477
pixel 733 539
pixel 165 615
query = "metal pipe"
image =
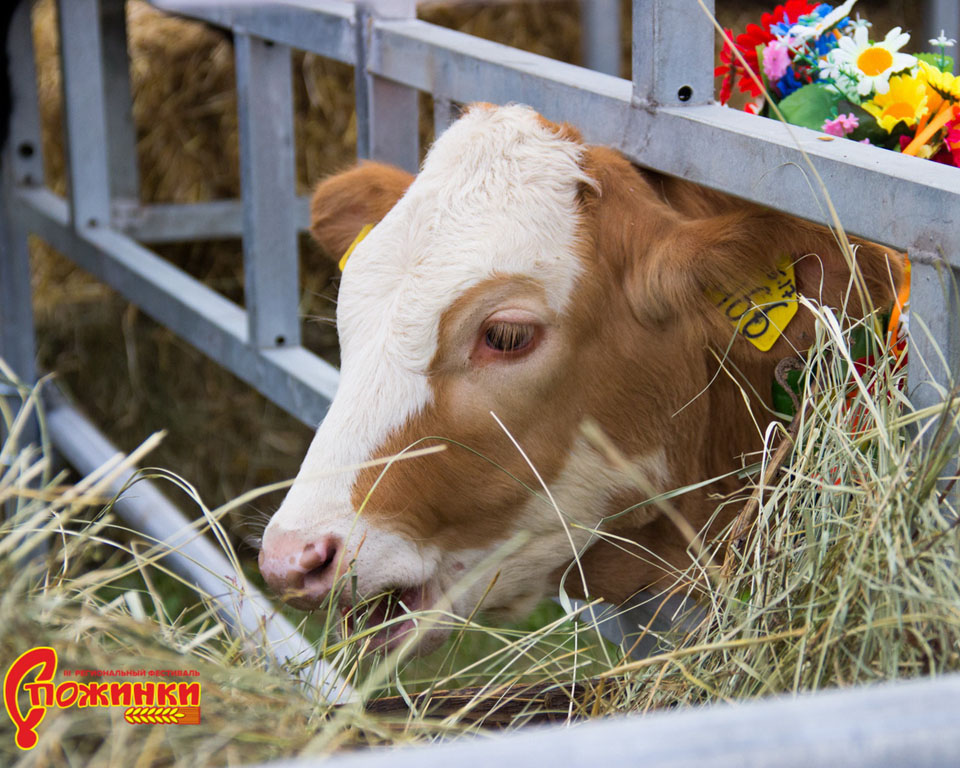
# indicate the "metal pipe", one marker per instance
pixel 885 726
pixel 191 554
pixel 600 33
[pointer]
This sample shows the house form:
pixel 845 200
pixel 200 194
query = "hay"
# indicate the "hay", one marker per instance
pixel 848 570
pixel 72 578
pixel 848 575
pixel 134 378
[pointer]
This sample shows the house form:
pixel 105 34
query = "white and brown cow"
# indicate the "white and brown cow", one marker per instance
pixel 525 274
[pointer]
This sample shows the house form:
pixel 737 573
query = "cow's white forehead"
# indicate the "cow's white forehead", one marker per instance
pixel 497 195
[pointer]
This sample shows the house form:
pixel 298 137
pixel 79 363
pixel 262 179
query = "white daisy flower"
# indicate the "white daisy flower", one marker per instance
pixel 841 76
pixel 873 63
pixel 943 41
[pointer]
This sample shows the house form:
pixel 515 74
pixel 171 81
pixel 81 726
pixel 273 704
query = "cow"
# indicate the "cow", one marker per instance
pixel 522 285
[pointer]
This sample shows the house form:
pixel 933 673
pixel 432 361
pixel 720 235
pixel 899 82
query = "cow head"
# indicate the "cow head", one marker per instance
pixel 521 284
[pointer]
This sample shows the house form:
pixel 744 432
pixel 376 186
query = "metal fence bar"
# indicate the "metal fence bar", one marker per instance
pixel 600 35
pixel 25 157
pixel 445 112
pixel 193 556
pixel 176 222
pixel 882 726
pixel 891 198
pixel 84 108
pixel 324 27
pixel 295 379
pixel 21 163
pixel 934 328
pixel 388 113
pixel 672 53
pixel 268 182
pixel 121 133
pixel 17 345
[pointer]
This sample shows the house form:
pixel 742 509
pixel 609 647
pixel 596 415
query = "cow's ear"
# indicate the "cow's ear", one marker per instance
pixel 345 203
pixel 735 252
pixel 675 243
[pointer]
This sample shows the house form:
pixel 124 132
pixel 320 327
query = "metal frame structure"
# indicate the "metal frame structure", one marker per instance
pixel 664 118
pixel 885 726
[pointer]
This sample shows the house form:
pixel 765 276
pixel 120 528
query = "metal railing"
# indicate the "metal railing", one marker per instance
pixel 664 118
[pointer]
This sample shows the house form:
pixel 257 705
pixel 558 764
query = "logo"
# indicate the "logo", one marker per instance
pixel 147 701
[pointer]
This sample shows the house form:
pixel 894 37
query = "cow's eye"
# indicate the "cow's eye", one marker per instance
pixel 509 337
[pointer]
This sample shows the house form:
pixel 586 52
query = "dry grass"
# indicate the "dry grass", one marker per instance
pixel 848 574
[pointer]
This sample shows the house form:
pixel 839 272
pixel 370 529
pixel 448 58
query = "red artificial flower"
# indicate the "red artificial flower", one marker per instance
pixel 748 41
pixel 727 70
pixel 951 140
pixel 793 9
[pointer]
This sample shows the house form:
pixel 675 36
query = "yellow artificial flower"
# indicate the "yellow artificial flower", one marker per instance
pixel 945 84
pixel 905 100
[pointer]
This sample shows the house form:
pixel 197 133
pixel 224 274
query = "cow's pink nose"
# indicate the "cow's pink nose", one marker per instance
pixel 302 574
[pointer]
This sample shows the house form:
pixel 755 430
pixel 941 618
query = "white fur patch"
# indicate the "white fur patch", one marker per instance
pixel 497 196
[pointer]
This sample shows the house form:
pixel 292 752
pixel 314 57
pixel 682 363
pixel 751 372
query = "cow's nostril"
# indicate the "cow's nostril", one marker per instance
pixel 316 561
pixel 301 575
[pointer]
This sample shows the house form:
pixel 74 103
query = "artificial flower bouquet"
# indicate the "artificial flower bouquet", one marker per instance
pixel 822 71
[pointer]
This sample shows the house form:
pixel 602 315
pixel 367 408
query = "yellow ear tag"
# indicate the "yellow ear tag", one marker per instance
pixel 763 312
pixel 356 241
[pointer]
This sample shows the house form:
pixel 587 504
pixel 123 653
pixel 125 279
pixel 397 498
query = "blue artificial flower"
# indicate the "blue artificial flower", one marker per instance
pixel 780 29
pixel 824 44
pixel 788 84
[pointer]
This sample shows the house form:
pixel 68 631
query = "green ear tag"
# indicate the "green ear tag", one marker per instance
pixel 356 241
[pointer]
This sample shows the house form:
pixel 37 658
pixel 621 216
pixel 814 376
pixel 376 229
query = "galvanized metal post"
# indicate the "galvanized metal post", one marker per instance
pixel 387 112
pixel 672 53
pixel 16 309
pixel 934 339
pixel 118 100
pixel 445 112
pixel 85 112
pixel 600 35
pixel 268 181
pixel 25 157
pixel 20 163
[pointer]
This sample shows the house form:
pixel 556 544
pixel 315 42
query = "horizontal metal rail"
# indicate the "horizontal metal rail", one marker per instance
pixel 294 378
pixel 325 27
pixel 884 726
pixel 178 222
pixel 891 198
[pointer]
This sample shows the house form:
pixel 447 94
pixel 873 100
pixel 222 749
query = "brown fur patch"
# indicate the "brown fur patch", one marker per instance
pixel 563 131
pixel 344 203
pixel 636 353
